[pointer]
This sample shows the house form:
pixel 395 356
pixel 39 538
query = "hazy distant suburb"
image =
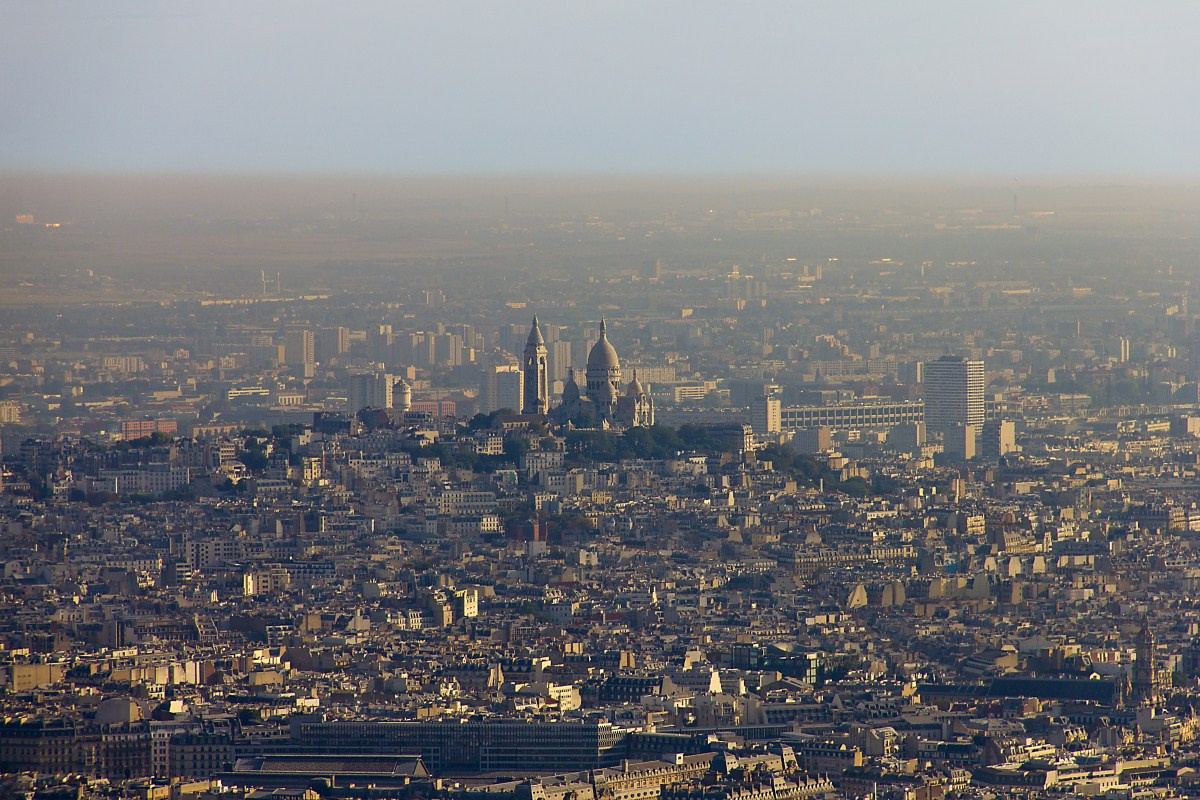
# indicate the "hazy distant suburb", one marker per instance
pixel 186 236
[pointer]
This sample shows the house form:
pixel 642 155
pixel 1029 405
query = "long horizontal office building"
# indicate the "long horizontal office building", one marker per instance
pixel 852 415
pixel 465 746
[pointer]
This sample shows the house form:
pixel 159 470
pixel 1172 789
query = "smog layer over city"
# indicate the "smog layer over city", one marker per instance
pixel 567 401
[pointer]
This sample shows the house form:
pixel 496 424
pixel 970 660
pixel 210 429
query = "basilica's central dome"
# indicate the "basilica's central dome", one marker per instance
pixel 603 355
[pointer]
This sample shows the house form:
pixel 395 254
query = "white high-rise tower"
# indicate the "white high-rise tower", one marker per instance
pixel 953 393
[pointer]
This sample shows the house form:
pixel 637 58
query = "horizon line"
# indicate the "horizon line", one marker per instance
pixel 603 175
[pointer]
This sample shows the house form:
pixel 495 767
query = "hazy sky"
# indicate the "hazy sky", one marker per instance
pixel 902 86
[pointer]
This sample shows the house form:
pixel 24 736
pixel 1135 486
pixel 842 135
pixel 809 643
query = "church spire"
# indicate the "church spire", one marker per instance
pixel 535 394
pixel 535 333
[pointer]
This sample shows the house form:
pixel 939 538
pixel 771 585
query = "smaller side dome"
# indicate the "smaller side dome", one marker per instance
pixel 570 392
pixel 635 387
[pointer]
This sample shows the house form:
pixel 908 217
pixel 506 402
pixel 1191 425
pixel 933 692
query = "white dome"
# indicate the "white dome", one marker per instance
pixel 603 355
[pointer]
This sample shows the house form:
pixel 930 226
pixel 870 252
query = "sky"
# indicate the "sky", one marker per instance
pixel 1069 87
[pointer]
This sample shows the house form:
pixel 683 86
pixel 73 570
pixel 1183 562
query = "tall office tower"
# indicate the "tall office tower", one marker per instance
pixel 959 442
pixel 581 347
pixel 404 348
pixel 501 387
pixel 421 346
pixel 910 372
pixel 766 415
pixel 508 389
pixel 551 333
pixel 560 360
pixel 907 438
pixel 953 394
pixel 744 392
pixel 299 347
pixel 511 338
pixel 380 339
pixel 999 438
pixel 447 349
pixel 331 343
pixel 535 397
pixel 813 440
pixel 371 390
pixel 467 334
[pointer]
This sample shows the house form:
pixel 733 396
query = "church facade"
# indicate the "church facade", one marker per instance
pixel 606 401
